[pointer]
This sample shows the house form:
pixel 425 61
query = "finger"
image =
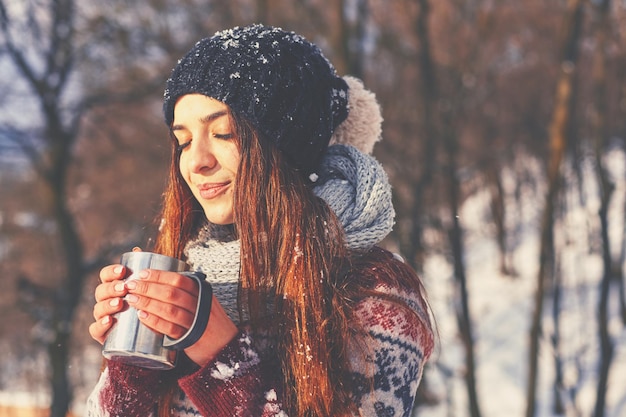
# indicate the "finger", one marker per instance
pixel 108 307
pixel 110 290
pixel 162 293
pixel 166 300
pixel 112 272
pixel 99 330
pixel 163 325
pixel 171 279
pixel 180 311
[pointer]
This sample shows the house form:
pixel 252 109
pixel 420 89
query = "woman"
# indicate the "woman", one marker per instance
pixel 309 317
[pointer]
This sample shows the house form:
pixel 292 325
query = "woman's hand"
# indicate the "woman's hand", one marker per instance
pixel 166 302
pixel 109 300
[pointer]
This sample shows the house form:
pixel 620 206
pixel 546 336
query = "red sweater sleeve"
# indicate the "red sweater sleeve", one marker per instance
pixel 129 390
pixel 235 384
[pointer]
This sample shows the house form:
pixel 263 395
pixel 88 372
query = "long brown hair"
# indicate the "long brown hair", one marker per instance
pixel 293 258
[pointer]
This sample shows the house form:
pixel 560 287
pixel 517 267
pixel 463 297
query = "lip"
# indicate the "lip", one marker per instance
pixel 211 190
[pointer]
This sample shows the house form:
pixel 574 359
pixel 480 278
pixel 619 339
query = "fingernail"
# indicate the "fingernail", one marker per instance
pixel 142 314
pixel 105 320
pixel 119 287
pixel 131 285
pixel 132 298
pixel 114 302
pixel 118 269
pixel 143 274
pixel 136 249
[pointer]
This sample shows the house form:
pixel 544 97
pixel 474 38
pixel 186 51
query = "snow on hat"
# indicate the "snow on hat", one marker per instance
pixel 277 80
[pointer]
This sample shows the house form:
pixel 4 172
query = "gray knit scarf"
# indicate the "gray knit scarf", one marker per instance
pixel 352 183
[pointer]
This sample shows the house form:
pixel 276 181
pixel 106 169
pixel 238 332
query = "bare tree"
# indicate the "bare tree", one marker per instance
pixel 606 186
pixel 559 128
pixel 619 273
pixel 353 25
pixel 59 136
pixel 463 315
pixel 47 50
pixel 558 407
pixel 429 94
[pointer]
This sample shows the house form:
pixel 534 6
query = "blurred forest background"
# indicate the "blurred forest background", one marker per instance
pixel 518 102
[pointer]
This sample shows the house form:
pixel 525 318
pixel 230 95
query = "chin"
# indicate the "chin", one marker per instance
pixel 222 219
pixel 222 222
pixel 218 212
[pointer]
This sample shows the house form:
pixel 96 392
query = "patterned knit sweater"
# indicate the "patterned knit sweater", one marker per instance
pixel 238 383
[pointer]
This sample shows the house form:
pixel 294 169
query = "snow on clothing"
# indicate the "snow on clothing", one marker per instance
pixel 243 380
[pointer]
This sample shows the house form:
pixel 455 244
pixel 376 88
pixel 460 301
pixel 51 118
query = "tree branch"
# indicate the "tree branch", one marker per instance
pixel 17 57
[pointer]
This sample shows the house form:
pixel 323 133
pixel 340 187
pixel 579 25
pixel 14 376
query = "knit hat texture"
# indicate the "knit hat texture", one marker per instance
pixel 277 80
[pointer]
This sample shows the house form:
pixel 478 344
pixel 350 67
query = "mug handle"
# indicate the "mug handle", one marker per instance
pixel 200 321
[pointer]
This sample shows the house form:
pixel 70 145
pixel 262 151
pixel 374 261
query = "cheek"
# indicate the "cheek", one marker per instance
pixel 182 168
pixel 234 161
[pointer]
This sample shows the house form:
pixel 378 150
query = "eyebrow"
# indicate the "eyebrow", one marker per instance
pixel 206 119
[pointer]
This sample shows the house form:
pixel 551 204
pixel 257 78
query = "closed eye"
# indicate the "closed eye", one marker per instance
pixel 224 136
pixel 182 146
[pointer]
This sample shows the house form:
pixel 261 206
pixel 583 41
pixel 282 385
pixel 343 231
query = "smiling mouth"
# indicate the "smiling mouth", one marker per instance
pixel 212 190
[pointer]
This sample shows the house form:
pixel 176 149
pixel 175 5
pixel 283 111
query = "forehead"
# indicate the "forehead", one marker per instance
pixel 194 108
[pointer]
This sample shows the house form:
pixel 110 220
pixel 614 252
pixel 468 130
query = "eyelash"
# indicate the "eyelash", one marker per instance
pixel 225 136
pixel 179 148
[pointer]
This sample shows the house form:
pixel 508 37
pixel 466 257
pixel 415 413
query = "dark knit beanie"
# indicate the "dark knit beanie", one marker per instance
pixel 277 80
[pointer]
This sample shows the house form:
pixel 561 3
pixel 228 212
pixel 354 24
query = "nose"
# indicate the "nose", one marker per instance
pixel 201 156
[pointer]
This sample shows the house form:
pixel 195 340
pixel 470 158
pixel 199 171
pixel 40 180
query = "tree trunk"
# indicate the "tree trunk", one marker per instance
pixel 66 301
pixel 411 243
pixel 456 241
pixel 558 408
pixel 559 127
pixel 67 295
pixel 429 93
pixel 350 41
pixel 606 191
pixel 498 214
pixel 619 265
pixel 606 344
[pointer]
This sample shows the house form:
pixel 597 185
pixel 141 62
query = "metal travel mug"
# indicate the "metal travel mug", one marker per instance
pixel 129 340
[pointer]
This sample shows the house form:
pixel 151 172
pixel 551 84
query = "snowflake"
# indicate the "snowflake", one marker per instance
pixel 223 371
pixel 271 395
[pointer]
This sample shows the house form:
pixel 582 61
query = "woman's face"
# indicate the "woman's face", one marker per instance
pixel 209 156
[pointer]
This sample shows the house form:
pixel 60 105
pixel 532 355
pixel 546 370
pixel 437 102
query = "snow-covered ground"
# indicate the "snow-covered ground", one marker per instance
pixel 501 308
